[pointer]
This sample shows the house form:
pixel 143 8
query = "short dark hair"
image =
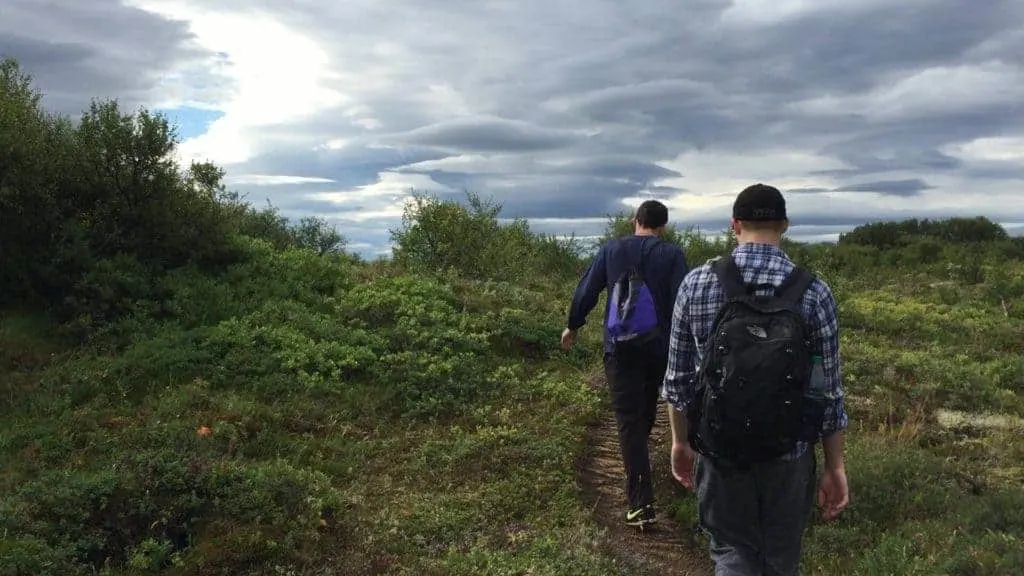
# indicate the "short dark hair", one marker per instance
pixel 776 226
pixel 652 214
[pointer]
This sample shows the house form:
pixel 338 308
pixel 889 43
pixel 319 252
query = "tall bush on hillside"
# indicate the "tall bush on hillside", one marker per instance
pixel 316 234
pixel 131 198
pixel 73 197
pixel 92 215
pixel 312 232
pixel 35 153
pixel 437 236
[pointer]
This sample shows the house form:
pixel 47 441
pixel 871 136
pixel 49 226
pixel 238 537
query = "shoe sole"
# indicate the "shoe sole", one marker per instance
pixel 640 523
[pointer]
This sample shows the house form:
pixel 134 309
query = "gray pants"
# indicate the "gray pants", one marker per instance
pixel 755 519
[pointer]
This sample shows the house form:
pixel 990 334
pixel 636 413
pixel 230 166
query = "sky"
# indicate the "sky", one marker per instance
pixel 564 111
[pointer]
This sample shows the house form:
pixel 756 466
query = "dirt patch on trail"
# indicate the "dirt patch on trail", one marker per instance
pixel 668 547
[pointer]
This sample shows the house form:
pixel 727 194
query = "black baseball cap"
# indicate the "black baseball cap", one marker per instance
pixel 759 202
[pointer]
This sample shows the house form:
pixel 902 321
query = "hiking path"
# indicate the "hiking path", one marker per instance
pixel 668 547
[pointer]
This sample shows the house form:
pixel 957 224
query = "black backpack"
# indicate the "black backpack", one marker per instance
pixel 752 403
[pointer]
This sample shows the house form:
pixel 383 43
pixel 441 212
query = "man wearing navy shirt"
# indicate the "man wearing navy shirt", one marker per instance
pixel 634 372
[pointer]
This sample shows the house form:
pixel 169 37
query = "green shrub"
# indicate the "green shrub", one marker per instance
pixel 151 510
pixel 888 235
pixel 437 236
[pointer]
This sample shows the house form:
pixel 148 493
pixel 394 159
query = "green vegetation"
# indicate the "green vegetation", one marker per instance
pixel 193 386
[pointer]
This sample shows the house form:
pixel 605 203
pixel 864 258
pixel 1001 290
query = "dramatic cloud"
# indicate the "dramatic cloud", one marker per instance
pixel 487 134
pixel 78 50
pixel 908 187
pixel 567 110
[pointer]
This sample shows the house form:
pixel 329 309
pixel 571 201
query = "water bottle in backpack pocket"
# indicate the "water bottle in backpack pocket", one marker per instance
pixel 814 403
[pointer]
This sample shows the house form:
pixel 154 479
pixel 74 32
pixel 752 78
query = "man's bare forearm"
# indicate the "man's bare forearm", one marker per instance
pixel 677 421
pixel 833 448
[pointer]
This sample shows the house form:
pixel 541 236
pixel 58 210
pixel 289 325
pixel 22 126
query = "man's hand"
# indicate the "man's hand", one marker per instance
pixel 833 493
pixel 682 463
pixel 567 338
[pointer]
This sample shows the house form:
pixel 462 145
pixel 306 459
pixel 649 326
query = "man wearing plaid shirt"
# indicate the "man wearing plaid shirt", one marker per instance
pixel 755 518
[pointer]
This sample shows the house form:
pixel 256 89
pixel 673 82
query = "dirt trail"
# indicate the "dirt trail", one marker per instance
pixel 666 548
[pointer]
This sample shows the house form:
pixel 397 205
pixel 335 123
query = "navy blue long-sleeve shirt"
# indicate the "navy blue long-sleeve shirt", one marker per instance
pixel 664 269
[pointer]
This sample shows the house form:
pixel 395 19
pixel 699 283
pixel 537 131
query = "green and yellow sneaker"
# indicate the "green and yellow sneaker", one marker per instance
pixel 642 516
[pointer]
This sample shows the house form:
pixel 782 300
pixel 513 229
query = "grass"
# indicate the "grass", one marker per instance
pixel 366 420
pixel 930 494
pixel 394 424
pixel 381 422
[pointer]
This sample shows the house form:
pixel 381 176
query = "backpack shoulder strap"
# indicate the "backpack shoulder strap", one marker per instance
pixel 730 278
pixel 638 264
pixel 793 287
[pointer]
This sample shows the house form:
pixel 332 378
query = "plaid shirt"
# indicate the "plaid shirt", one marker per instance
pixel 697 302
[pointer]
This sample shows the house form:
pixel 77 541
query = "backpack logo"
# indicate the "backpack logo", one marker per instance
pixel 757 331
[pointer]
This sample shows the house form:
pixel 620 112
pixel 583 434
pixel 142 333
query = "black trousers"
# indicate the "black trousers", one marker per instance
pixel 634 377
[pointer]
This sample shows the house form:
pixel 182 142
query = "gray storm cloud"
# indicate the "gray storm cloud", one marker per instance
pixel 560 109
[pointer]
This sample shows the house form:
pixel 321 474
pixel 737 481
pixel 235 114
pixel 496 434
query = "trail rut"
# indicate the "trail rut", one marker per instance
pixel 669 547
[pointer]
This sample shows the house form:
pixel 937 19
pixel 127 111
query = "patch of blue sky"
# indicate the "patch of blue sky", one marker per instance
pixel 190 122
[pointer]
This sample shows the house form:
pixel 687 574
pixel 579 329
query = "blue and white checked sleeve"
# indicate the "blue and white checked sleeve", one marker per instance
pixel 682 356
pixel 826 328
